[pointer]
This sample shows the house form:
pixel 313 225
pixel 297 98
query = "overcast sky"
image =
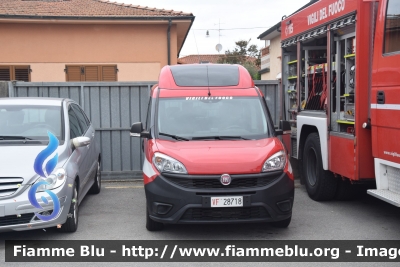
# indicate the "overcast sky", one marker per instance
pixel 259 15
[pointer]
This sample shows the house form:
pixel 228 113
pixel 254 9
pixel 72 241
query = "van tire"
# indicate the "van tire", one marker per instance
pixel 152 225
pixel 282 224
pixel 301 171
pixel 320 184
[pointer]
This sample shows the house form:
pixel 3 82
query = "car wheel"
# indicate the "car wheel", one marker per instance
pixel 96 187
pixel 152 225
pixel 71 225
pixel 282 224
pixel 320 184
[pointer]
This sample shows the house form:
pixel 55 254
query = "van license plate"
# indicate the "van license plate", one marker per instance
pixel 226 202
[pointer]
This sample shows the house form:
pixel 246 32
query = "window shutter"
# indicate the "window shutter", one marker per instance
pixel 5 74
pixel 22 73
pixel 73 73
pixel 91 73
pixel 109 73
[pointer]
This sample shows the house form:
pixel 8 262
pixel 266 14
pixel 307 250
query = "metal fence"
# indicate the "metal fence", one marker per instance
pixel 113 107
pixel 270 90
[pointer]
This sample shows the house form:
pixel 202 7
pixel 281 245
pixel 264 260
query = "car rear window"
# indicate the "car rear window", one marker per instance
pixel 206 75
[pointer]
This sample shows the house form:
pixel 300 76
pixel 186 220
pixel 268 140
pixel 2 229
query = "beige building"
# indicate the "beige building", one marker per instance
pixel 271 55
pixel 87 40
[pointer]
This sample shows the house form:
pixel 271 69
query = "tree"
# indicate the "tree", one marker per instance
pixel 244 54
pixel 252 69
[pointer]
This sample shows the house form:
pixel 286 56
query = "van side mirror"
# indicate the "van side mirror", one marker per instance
pixel 138 131
pixel 284 128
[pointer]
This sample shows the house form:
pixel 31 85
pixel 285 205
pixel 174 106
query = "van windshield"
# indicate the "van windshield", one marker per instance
pixel 202 118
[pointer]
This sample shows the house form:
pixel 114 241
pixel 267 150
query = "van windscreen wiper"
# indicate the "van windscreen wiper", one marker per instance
pixel 219 137
pixel 174 136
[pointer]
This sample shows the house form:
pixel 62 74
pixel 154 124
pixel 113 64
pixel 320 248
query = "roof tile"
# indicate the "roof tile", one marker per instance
pixel 210 58
pixel 81 8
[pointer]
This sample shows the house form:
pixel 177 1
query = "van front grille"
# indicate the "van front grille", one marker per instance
pixel 213 181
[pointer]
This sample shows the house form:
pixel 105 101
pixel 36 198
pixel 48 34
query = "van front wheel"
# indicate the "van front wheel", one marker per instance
pixel 152 225
pixel 282 224
pixel 321 184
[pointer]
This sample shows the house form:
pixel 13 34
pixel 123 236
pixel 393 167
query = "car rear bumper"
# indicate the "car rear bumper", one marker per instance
pixel 174 202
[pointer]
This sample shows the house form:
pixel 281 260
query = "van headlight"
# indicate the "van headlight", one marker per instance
pixel 164 163
pixel 275 162
pixel 54 180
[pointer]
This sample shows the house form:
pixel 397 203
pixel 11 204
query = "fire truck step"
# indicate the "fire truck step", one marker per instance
pixel 386 195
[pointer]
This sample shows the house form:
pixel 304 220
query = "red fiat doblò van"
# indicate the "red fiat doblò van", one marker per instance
pixel 211 151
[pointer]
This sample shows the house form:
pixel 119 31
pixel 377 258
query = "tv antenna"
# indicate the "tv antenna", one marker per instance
pixel 218 47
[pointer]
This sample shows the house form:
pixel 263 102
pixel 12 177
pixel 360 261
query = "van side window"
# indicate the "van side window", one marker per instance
pixel 392 27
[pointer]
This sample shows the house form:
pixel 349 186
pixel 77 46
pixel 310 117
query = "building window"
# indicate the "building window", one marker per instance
pixel 15 73
pixel 392 27
pixel 91 73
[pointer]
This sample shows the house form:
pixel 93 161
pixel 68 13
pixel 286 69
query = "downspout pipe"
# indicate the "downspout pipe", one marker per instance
pixel 169 41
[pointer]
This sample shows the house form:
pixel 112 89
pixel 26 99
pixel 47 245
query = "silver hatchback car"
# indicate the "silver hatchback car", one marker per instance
pixel 48 162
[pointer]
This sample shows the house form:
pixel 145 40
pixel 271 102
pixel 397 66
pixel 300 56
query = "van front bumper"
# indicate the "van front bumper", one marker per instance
pixel 185 199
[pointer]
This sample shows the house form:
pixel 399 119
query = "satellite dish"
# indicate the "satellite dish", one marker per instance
pixel 218 47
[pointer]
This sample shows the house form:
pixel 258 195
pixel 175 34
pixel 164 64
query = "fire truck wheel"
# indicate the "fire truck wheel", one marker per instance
pixel 321 185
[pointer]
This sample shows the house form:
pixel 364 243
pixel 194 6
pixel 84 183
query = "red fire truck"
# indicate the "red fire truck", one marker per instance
pixel 341 93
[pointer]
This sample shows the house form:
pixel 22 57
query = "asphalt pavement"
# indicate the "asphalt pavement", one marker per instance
pixel 118 213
